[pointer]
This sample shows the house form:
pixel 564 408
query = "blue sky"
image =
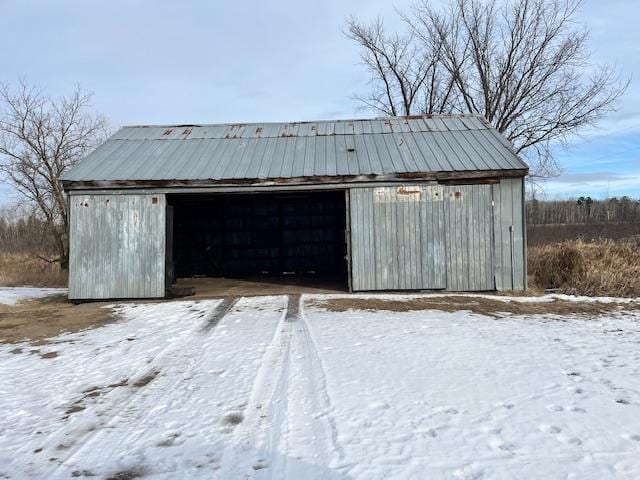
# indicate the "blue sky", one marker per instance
pixel 158 61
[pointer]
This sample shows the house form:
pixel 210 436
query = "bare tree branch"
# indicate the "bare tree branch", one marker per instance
pixel 40 139
pixel 523 64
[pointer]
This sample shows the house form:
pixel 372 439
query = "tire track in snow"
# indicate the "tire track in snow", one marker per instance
pixel 255 441
pixel 324 423
pixel 286 411
pixel 118 407
pixel 221 310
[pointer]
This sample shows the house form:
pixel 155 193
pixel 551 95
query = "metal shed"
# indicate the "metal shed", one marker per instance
pixel 401 203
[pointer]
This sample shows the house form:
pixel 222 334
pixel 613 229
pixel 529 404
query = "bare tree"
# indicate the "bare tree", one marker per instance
pixel 522 64
pixel 40 139
pixel 407 75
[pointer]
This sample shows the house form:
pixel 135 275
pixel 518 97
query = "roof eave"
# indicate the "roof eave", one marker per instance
pixel 299 181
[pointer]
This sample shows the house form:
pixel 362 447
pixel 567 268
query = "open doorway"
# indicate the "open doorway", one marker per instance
pixel 273 238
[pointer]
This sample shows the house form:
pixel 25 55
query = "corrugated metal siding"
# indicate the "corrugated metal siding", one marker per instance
pixel 292 150
pixel 117 246
pixel 511 269
pixel 468 233
pixel 397 240
pixel 453 238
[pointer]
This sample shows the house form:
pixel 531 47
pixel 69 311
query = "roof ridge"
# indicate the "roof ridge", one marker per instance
pixel 304 122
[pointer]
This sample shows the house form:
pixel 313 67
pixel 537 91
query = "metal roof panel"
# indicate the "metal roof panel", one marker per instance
pixel 393 145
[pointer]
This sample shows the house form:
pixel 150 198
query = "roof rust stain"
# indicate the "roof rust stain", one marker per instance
pixel 235 130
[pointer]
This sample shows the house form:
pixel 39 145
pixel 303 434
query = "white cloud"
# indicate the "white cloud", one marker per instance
pixel 594 184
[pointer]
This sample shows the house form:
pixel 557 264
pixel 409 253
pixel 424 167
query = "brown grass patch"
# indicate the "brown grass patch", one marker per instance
pixel 604 267
pixel 480 305
pixel 41 319
pixel 19 269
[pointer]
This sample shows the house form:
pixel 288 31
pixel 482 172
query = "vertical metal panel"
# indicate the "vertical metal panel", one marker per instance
pixel 347 236
pixel 468 225
pixel 117 246
pixel 525 251
pixel 432 254
pixel 396 238
pixel 510 264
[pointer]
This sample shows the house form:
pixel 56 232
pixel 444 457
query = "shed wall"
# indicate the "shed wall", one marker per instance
pixel 469 238
pixel 407 237
pixel 117 246
pixel 397 238
pixel 453 237
pixel 509 233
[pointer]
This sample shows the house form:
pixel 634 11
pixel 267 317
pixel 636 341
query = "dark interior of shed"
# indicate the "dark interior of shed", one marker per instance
pixel 293 238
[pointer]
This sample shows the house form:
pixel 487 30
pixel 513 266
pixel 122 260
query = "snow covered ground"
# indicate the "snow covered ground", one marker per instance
pixel 10 295
pixel 270 387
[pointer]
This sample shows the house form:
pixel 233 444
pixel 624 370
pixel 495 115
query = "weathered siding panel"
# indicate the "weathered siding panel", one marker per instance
pixel 396 238
pixel 509 233
pixel 468 230
pixel 435 237
pixel 117 246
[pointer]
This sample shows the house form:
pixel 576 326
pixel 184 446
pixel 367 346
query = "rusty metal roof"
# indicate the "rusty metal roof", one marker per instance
pixel 382 146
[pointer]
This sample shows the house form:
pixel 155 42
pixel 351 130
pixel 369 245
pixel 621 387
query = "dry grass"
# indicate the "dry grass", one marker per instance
pixel 41 319
pixel 604 267
pixel 481 305
pixel 19 269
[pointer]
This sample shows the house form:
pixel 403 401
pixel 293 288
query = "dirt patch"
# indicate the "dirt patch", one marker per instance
pixel 147 379
pixel 256 286
pixel 481 305
pixel 221 310
pixel 82 473
pixel 49 355
pixel 39 320
pixel 74 408
pixel 232 418
pixel 93 393
pixel 127 474
pixel 293 308
pixel 89 393
pixel 122 383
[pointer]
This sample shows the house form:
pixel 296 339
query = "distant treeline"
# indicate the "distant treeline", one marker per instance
pixel 583 210
pixel 583 218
